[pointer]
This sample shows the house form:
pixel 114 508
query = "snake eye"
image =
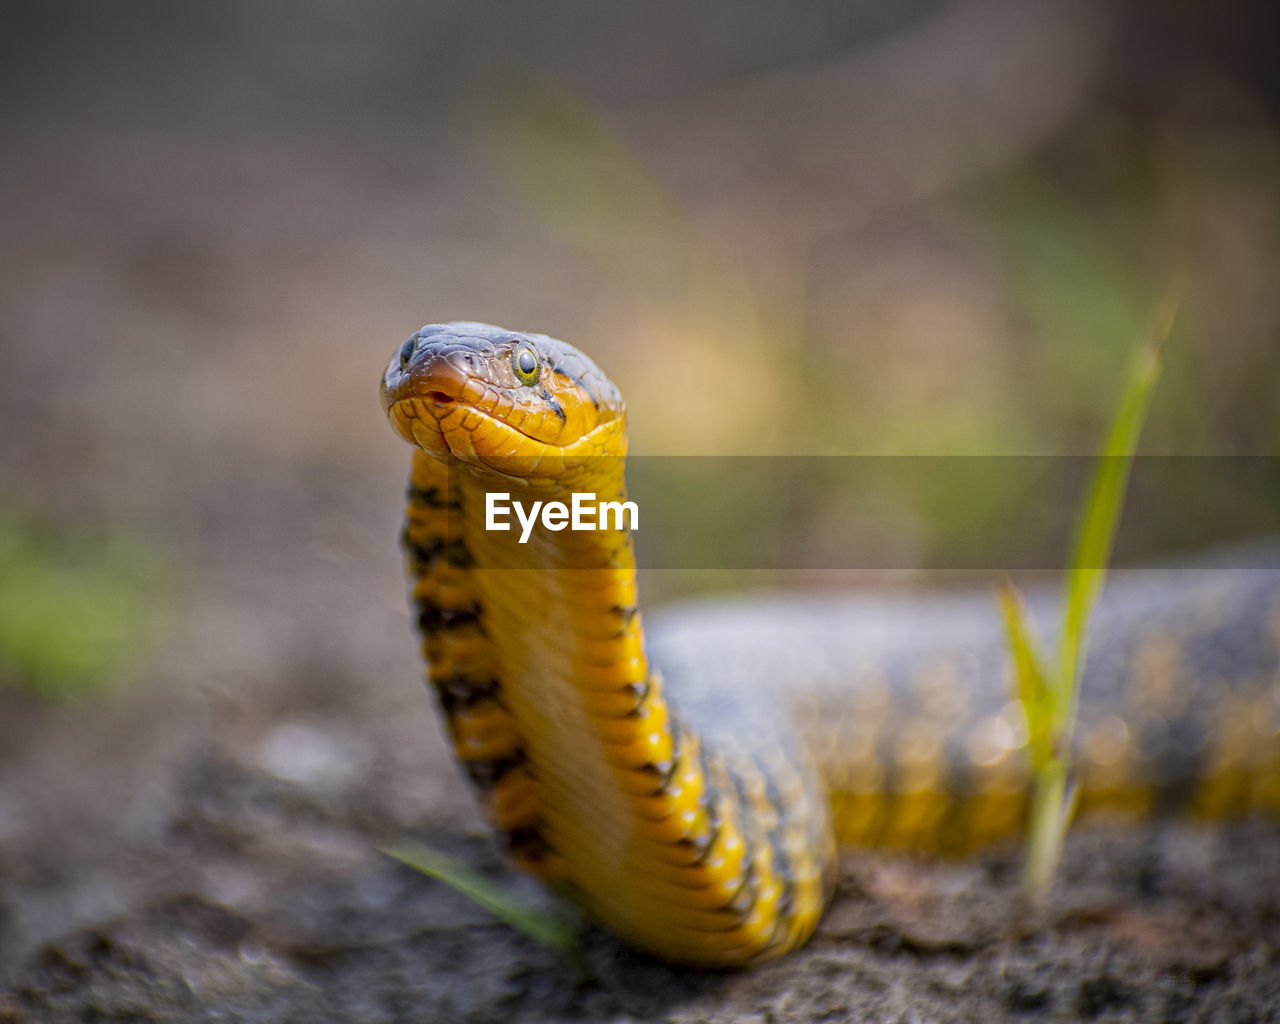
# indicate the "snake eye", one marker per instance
pixel 525 363
pixel 406 352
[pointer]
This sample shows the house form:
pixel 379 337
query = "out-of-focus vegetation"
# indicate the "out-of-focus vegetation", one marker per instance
pixel 747 351
pixel 731 361
pixel 558 929
pixel 73 609
pixel 698 314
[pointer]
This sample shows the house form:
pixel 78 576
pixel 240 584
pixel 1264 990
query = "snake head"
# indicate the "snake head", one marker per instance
pixel 510 401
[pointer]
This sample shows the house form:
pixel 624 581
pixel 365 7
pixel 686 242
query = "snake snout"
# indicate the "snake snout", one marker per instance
pixel 439 377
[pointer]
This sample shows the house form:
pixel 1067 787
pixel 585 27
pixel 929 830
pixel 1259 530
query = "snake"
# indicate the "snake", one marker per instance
pixel 689 784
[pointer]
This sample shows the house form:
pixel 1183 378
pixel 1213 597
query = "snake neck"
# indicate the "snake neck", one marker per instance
pixel 536 653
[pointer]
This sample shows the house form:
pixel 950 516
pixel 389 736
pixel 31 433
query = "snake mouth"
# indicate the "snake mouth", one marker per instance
pixel 444 424
pixel 441 407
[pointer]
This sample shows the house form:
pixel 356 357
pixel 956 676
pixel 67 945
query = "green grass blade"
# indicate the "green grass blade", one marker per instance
pixel 1095 530
pixel 557 931
pixel 1050 701
pixel 1029 676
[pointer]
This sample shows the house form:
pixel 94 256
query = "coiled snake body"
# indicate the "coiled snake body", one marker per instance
pixel 687 787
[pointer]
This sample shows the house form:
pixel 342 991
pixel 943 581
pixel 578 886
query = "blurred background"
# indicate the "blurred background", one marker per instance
pixel 931 227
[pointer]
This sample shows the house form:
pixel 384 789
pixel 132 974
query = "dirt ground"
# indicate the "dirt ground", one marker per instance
pixel 212 861
pixel 219 225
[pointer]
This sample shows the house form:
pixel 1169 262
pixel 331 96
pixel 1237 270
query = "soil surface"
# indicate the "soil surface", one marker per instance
pixel 233 893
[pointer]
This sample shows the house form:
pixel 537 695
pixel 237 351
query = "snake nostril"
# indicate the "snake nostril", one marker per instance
pixel 406 352
pixel 439 397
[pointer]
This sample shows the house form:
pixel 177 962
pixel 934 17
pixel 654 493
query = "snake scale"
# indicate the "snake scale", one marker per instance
pixel 688 785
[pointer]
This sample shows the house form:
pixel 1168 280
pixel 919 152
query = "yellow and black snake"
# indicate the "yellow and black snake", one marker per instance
pixel 688 786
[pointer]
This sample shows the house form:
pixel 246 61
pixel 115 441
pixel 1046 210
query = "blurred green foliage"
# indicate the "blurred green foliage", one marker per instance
pixel 1086 297
pixel 559 156
pixel 720 360
pixel 558 929
pixel 73 609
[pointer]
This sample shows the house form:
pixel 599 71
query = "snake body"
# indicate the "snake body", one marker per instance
pixel 687 787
